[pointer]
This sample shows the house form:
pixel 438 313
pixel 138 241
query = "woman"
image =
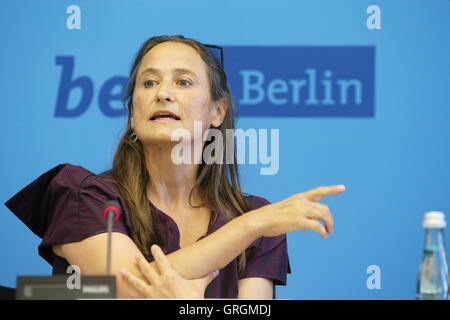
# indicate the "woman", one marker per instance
pixel 218 242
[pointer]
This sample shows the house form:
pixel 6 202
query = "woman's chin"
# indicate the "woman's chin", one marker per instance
pixel 161 138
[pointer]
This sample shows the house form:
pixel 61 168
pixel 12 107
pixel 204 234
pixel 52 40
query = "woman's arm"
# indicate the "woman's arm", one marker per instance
pixel 255 288
pixel 167 283
pixel 90 256
pixel 215 251
pixel 298 212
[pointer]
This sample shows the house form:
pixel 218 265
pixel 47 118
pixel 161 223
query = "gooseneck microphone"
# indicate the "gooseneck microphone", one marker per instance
pixel 111 210
pixel 67 286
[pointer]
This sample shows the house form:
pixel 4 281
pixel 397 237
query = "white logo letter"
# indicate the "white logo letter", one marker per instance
pixel 181 153
pixel 74 281
pixel 74 20
pixel 255 86
pixel 374 281
pixel 373 21
pixel 213 152
pixel 264 158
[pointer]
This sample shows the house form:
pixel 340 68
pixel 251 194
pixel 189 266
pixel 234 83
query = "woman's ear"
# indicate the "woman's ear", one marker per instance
pixel 218 113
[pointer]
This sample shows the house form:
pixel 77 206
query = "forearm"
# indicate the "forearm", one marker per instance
pixel 216 250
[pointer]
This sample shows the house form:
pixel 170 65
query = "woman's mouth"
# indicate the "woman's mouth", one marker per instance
pixel 164 117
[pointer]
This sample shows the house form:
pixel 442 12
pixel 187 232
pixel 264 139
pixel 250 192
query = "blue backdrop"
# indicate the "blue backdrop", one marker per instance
pixel 394 159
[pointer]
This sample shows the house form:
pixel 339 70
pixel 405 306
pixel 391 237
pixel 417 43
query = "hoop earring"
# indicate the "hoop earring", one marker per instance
pixel 133 137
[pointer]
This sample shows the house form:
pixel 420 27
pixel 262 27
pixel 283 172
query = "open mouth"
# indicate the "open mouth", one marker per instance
pixel 163 115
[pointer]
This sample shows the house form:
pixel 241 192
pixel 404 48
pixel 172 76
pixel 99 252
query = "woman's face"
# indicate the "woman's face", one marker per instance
pixel 173 77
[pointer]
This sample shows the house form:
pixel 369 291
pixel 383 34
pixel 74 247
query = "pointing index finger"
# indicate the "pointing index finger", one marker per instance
pixel 320 192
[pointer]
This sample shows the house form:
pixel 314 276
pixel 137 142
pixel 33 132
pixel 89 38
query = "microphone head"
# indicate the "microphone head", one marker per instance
pixel 114 206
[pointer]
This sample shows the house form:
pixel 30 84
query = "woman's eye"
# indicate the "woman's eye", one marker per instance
pixel 184 83
pixel 149 83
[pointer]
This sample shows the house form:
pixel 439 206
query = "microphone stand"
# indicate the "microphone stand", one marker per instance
pixel 57 287
pixel 108 252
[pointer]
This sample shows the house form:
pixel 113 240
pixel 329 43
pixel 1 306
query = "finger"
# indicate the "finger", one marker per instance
pixel 136 283
pixel 321 212
pixel 147 270
pixel 165 268
pixel 209 278
pixel 315 225
pixel 318 193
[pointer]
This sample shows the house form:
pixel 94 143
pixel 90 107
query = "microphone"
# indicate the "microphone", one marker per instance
pixel 74 286
pixel 111 209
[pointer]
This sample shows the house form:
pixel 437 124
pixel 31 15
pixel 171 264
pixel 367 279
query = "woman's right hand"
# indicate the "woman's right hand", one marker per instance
pixel 167 283
pixel 298 212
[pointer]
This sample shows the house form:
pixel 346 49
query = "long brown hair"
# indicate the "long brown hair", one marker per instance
pixel 217 184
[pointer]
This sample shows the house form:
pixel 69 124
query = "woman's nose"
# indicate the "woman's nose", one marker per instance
pixel 164 93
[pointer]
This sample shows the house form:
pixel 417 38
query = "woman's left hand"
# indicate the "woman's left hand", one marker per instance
pixel 168 283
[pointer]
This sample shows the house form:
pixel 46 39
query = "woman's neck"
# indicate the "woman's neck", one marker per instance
pixel 170 183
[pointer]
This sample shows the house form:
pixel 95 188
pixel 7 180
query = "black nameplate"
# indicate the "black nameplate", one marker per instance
pixel 60 287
